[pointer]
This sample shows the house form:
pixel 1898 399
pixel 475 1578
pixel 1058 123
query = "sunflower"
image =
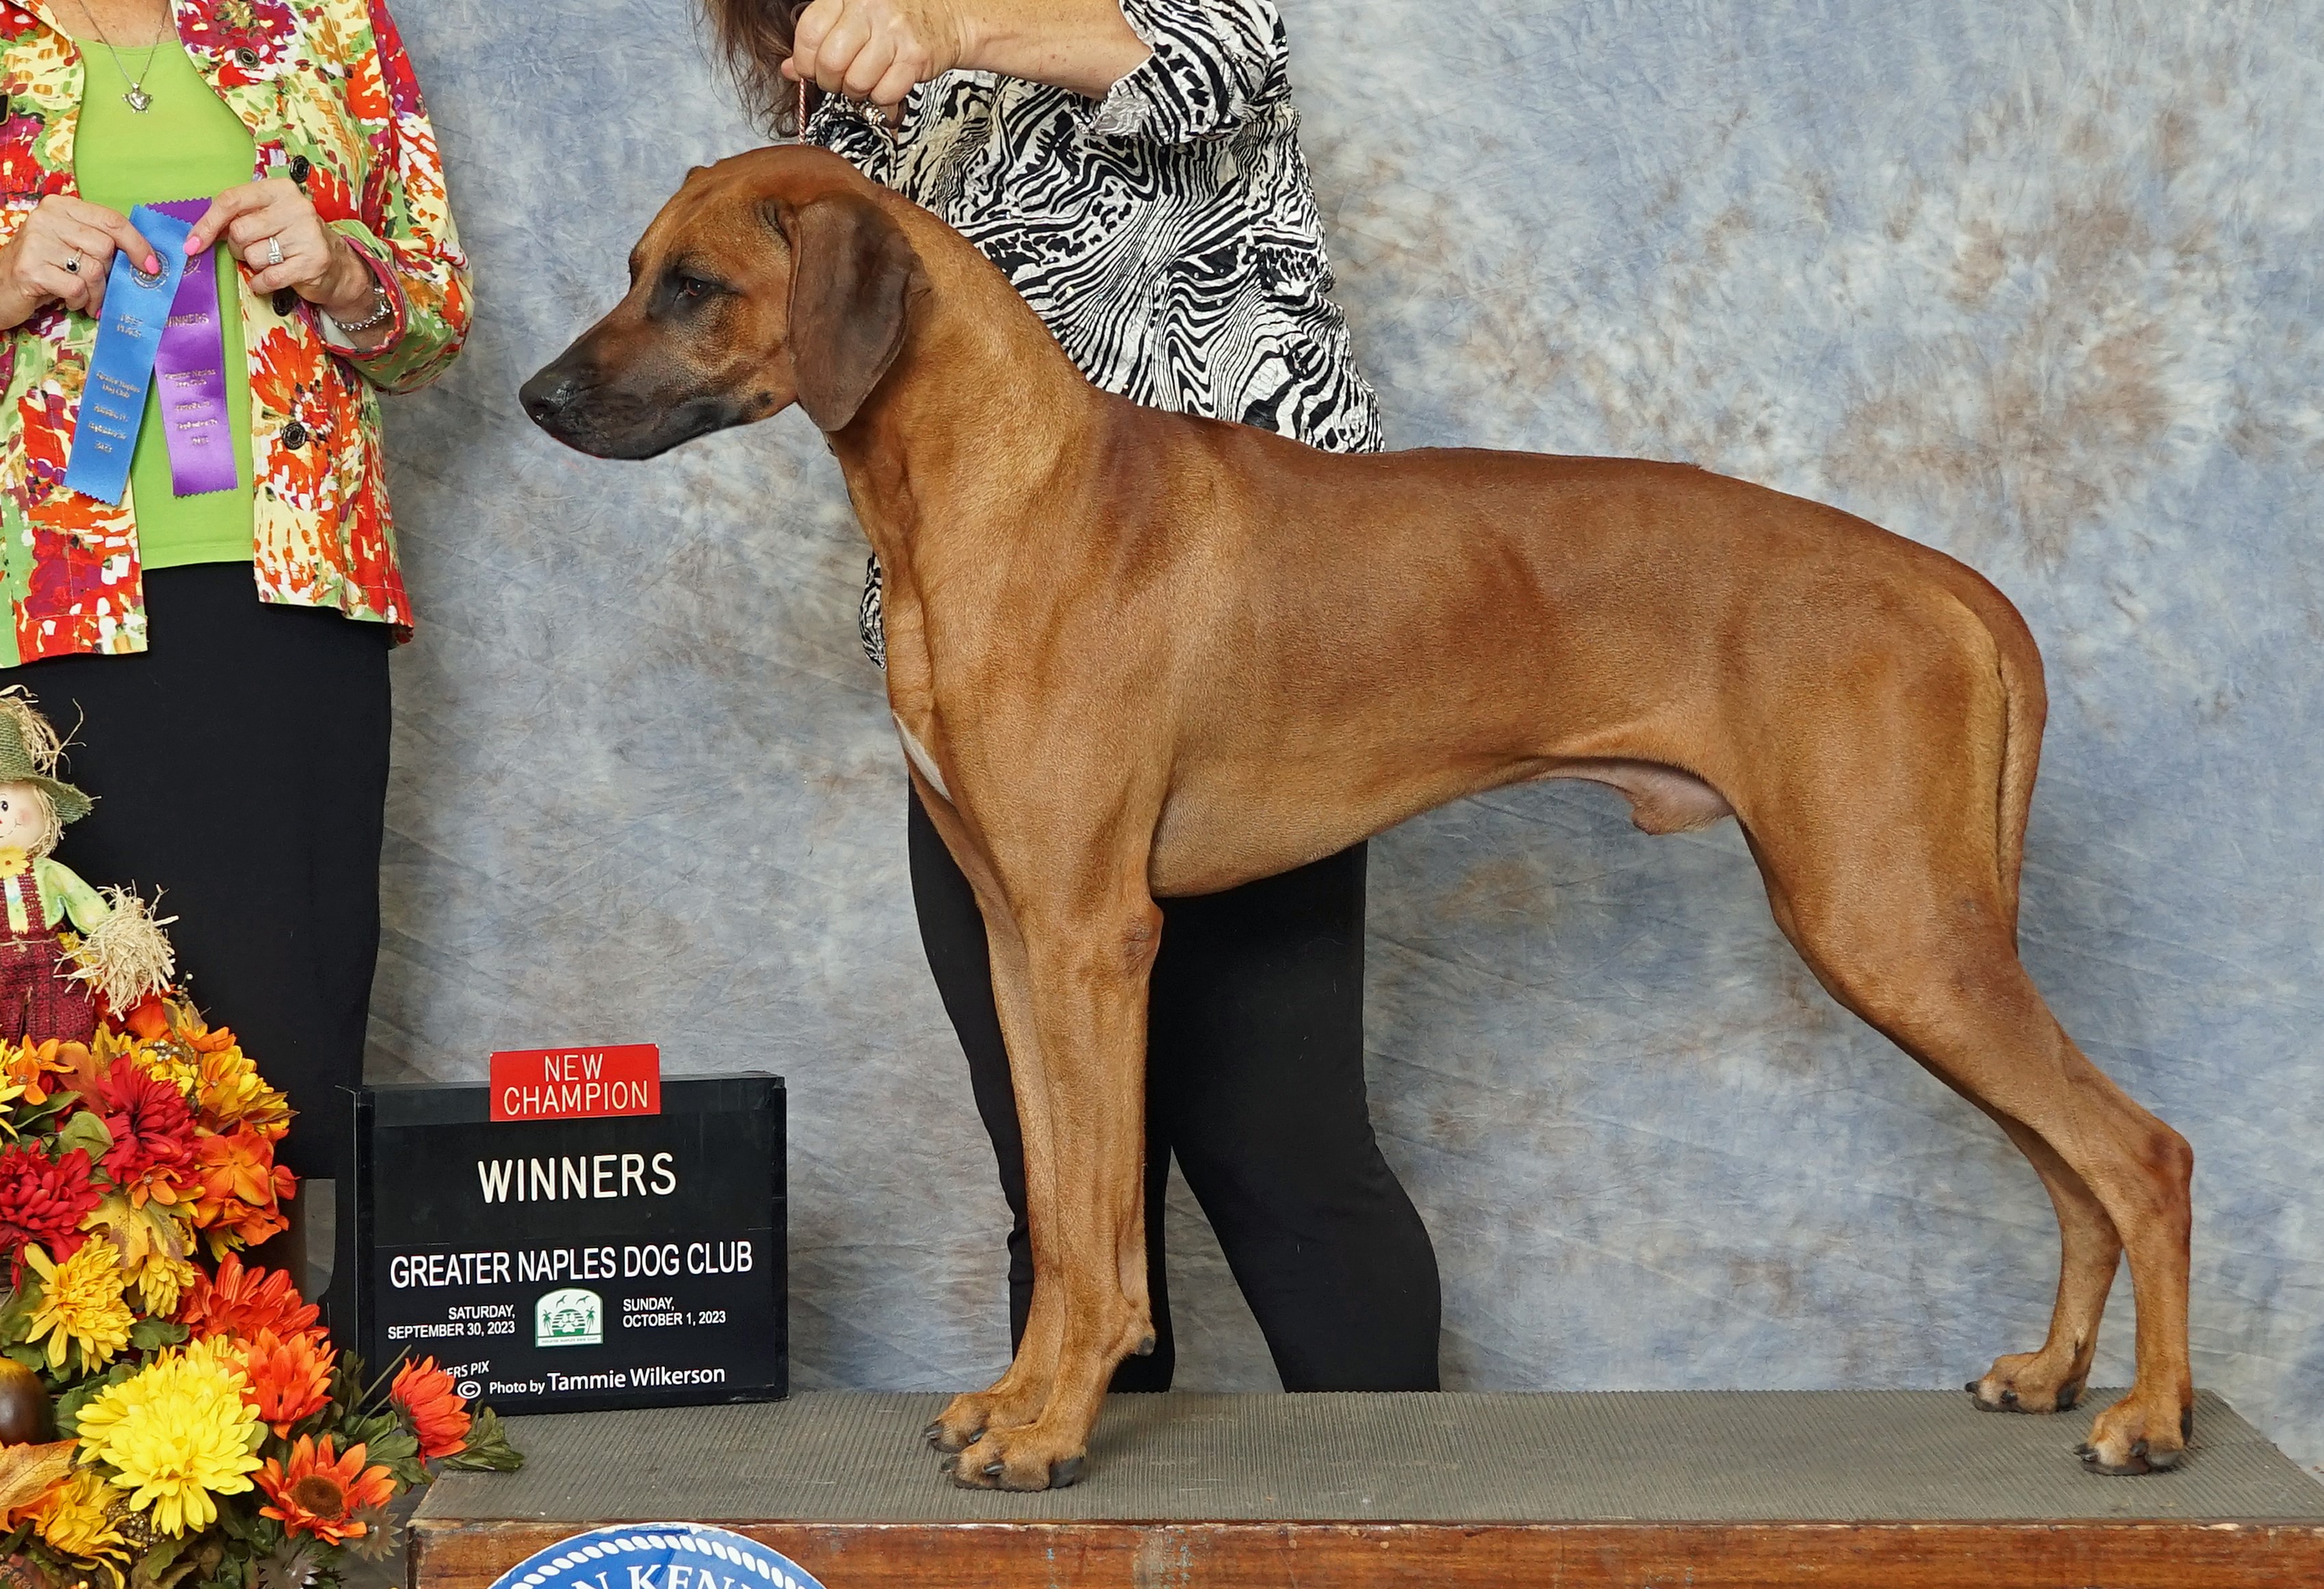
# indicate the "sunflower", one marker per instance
pixel 80 1304
pixel 240 1302
pixel 178 1435
pixel 423 1392
pixel 316 1495
pixel 288 1380
pixel 76 1518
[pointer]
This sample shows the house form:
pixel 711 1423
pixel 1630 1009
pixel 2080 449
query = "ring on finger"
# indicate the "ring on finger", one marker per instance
pixel 275 250
pixel 72 265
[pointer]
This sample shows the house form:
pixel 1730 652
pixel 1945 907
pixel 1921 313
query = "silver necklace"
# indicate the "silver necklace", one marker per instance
pixel 138 100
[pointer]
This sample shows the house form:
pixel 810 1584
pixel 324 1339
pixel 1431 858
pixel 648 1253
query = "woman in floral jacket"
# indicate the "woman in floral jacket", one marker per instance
pixel 232 718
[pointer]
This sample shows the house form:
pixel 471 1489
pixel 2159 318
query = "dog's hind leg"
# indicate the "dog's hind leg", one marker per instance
pixel 2050 1380
pixel 1912 933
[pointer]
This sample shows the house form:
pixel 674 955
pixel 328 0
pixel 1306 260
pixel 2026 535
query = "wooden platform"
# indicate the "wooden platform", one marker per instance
pixel 1900 1489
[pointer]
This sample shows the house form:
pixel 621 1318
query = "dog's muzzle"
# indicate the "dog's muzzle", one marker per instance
pixel 572 401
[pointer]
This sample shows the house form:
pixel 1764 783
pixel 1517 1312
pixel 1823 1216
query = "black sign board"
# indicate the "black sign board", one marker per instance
pixel 562 1266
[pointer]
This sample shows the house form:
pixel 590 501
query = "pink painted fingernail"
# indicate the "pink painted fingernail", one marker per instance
pixel 153 263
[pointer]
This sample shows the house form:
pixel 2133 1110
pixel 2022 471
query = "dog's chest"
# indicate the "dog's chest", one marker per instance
pixel 918 755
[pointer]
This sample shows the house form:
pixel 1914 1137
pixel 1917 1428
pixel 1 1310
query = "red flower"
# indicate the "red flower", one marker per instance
pixel 152 1133
pixel 241 1302
pixel 44 1200
pixel 423 1393
pixel 319 1496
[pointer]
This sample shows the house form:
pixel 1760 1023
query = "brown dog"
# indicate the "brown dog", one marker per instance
pixel 1133 654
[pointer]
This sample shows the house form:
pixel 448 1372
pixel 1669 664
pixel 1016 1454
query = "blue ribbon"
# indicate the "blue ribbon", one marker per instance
pixel 113 401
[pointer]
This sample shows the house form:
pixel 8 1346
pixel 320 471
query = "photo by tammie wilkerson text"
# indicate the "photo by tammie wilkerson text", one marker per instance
pixel 170 1417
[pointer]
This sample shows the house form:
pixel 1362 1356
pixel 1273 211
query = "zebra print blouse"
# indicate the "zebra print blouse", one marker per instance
pixel 1167 234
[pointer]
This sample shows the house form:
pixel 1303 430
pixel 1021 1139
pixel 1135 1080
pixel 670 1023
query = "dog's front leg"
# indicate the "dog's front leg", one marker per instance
pixel 1018 1396
pixel 1081 1101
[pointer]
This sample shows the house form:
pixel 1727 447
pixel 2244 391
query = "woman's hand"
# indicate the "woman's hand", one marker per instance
pixel 876 49
pixel 258 218
pixel 61 254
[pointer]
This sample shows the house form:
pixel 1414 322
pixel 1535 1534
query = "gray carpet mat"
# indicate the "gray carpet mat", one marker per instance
pixel 1678 1455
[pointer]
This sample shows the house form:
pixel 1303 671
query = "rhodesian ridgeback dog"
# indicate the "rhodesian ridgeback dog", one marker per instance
pixel 1135 654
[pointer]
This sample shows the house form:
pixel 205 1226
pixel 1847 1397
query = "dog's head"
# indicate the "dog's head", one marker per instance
pixel 769 278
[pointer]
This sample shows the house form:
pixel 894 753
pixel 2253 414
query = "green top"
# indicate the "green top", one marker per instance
pixel 187 145
pixel 60 892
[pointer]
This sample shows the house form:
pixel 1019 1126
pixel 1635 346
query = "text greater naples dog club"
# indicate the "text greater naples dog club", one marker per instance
pixel 531 1264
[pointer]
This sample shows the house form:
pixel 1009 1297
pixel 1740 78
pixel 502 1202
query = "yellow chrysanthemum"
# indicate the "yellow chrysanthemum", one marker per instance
pixel 178 1435
pixel 162 1281
pixel 76 1520
pixel 80 1304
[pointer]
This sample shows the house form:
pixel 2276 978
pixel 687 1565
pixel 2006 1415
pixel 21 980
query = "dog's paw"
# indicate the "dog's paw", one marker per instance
pixel 1022 1459
pixel 963 1421
pixel 2137 1436
pixel 2026 1382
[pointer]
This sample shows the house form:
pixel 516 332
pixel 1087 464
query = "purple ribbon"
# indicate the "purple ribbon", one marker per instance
pixel 191 370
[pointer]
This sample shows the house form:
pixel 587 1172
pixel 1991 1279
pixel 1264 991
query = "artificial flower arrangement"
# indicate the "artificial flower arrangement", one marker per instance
pixel 171 1414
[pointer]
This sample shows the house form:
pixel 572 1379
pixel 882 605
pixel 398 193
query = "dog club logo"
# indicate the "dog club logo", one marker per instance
pixel 575 1317
pixel 656 1555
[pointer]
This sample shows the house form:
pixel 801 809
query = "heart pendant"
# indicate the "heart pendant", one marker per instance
pixel 138 100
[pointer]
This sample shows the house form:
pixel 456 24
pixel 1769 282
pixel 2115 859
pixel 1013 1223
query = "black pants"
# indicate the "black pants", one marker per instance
pixel 240 766
pixel 1255 1079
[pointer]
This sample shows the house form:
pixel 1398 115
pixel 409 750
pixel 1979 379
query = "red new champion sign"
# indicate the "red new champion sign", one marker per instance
pixel 576 1083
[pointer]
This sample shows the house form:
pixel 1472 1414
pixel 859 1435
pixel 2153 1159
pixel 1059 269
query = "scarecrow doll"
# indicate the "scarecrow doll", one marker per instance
pixel 51 980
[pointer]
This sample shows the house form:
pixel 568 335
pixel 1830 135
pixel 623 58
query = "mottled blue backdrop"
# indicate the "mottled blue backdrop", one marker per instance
pixel 2037 283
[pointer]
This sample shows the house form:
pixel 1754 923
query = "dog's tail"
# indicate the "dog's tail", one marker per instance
pixel 2026 702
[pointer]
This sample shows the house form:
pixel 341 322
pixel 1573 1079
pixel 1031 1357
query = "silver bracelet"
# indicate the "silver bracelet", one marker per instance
pixel 382 311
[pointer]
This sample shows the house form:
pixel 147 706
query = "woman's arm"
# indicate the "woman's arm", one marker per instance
pixel 1166 70
pixel 876 49
pixel 402 281
pixel 415 249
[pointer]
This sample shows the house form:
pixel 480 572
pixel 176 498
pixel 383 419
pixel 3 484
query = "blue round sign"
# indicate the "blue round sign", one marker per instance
pixel 656 1555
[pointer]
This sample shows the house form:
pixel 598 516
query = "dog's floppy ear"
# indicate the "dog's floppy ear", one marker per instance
pixel 852 283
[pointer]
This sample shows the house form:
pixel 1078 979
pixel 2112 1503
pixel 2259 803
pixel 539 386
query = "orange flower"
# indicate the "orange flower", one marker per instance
pixel 319 1496
pixel 147 1019
pixel 241 1302
pixel 208 1039
pixel 230 1094
pixel 423 1393
pixel 287 1379
pixel 238 1190
pixel 29 1065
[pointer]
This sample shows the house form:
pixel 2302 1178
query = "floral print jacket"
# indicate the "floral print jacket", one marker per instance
pixel 327 93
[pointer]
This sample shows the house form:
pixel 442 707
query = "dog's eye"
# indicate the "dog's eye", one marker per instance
pixel 682 291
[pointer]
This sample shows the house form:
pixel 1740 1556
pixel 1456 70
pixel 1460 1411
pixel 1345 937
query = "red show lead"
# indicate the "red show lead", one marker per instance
pixel 576 1083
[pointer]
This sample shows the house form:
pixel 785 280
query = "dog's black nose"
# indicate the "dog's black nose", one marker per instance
pixel 550 392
